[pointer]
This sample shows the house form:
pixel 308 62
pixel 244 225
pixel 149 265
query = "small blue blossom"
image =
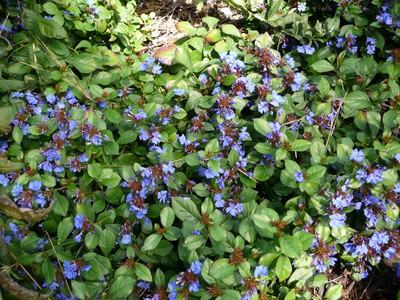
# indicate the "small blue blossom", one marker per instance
pixel 306 49
pixel 78 221
pixel 179 92
pixel 70 270
pixel 126 239
pixel 194 286
pixel 371 44
pixel 35 185
pixel 261 271
pixel 195 267
pixel 357 155
pixel 4 180
pixel 203 79
pixel 301 7
pixel 299 176
pixel 234 209
pixel 337 220
pixel 17 190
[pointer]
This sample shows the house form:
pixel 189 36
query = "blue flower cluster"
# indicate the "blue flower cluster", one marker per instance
pixel 186 281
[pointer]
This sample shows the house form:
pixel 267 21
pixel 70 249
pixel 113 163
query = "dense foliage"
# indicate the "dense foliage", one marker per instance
pixel 239 163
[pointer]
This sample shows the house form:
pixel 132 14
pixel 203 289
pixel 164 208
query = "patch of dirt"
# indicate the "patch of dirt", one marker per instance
pixel 163 31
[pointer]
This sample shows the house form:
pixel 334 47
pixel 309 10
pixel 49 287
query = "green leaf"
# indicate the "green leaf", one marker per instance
pixel 300 145
pixel 83 62
pixel 283 267
pixel 275 5
pixel 48 270
pixel 218 233
pixel 61 204
pixel 290 245
pixel 151 242
pixel 6 116
pixel 92 240
pixel 185 210
pixel 48 180
pixel 319 280
pixel 247 230
pixel 182 55
pixel 79 289
pixel 122 287
pixel 16 133
pixel 111 148
pixel 213 36
pixel 64 229
pixel 193 242
pixel 305 238
pixel 334 292
pixel 95 170
pixel 263 219
pixel 7 85
pixel 52 29
pixel 100 266
pixel 230 295
pixel 167 216
pixel 221 269
pixel 109 178
pixel 262 126
pixel 322 66
pixel 127 137
pixel 9 166
pixel 316 173
pixel 143 272
pixel 113 116
pixel 107 241
pixel 231 30
pixel 357 100
pixel 186 27
pixel 51 9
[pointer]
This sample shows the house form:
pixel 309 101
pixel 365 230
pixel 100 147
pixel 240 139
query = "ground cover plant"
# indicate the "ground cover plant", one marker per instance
pixel 241 162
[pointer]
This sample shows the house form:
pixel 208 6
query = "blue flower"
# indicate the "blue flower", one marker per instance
pixel 143 285
pixel 299 176
pixel 78 221
pixel 35 185
pixel 178 92
pixel 195 267
pixel 51 98
pixel 301 7
pixel 17 190
pixel 261 271
pixel 126 239
pixel 370 175
pixel 337 220
pixel 70 270
pixel 389 253
pixel 17 95
pixel 290 61
pixel 371 43
pixel 306 49
pixel 234 209
pixel 4 180
pixel 297 80
pixel 3 146
pixel 162 196
pixel 357 155
pixel 194 286
pixel 40 199
pixel 97 139
pixel 203 79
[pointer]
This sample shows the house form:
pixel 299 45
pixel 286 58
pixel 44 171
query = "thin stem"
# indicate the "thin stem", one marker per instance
pixel 59 263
